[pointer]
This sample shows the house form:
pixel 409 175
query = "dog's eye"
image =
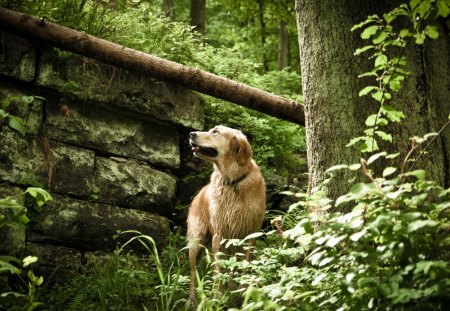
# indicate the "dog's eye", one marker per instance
pixel 215 132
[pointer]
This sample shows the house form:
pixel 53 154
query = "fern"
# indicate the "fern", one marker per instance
pixel 78 302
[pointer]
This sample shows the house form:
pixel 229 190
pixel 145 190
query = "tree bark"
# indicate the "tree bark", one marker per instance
pixel 334 113
pixel 197 15
pixel 120 56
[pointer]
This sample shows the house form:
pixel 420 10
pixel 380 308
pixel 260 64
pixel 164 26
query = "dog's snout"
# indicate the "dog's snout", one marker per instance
pixel 193 134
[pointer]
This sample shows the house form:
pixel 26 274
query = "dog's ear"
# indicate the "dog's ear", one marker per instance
pixel 241 149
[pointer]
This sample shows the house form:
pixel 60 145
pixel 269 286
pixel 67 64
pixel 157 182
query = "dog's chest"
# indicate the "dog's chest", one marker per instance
pixel 231 210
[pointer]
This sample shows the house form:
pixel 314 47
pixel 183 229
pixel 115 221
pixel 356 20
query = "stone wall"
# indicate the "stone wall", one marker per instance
pixel 107 143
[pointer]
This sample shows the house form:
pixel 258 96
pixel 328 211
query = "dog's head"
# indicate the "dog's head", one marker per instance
pixel 221 143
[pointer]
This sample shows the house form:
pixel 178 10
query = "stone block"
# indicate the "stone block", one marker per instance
pixel 89 226
pixel 55 256
pixel 17 57
pixel 22 162
pixel 110 132
pixel 116 88
pixel 134 185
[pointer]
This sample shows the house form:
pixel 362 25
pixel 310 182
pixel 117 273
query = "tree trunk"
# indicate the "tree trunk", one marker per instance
pixel 169 9
pixel 262 23
pixel 283 56
pixel 197 20
pixel 334 113
pixel 117 55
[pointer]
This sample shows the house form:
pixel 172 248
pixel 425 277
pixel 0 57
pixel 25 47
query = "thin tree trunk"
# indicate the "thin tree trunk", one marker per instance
pixel 169 9
pixel 136 61
pixel 335 113
pixel 262 23
pixel 283 56
pixel 197 15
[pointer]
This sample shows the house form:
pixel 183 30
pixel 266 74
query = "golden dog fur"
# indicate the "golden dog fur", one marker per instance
pixel 233 204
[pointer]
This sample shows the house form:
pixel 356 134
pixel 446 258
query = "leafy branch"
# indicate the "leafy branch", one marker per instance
pixel 389 73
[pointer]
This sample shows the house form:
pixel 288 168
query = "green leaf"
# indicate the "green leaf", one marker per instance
pixel 366 90
pixel 358 235
pixel 370 145
pixel 369 31
pixel 27 99
pixel 420 38
pixel 355 140
pixel 337 168
pixel 382 122
pixel 17 124
pixel 41 196
pixel 363 49
pixel 432 31
pixel 333 241
pixel 419 174
pixel 395 85
pixel 369 19
pixel 375 157
pixel 392 114
pixel 29 260
pixel 381 61
pixel 389 17
pixel 354 167
pixel 253 236
pixel 3 115
pixel 423 8
pixel 368 74
pixel 379 37
pixel 370 121
pixel 443 8
pixel 378 95
pixel 7 267
pixel 392 155
pixel 414 3
pixel 384 136
pixel 405 33
pixel 419 224
pixel 6 102
pixel 389 171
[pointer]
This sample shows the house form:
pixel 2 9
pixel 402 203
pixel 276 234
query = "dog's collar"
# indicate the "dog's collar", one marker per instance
pixel 234 183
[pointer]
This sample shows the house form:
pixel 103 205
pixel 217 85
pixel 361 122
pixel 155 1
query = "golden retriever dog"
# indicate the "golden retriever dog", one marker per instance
pixel 233 204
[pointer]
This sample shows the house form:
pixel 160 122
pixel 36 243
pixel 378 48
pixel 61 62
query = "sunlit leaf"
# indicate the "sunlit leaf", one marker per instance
pixel 380 37
pixel 363 49
pixel 381 60
pixel 366 90
pixel 374 157
pixel 384 136
pixel 369 31
pixel 389 171
pixel 419 224
pixel 358 235
pixel 419 174
pixel 29 260
pixel 432 31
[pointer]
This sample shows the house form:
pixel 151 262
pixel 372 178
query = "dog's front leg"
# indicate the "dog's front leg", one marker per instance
pixel 216 251
pixel 194 251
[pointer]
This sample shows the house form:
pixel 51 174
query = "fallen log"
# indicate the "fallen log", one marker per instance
pixel 114 54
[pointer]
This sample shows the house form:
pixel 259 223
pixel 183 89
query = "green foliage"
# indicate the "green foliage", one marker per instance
pixel 15 122
pixel 389 72
pixel 125 281
pixel 13 212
